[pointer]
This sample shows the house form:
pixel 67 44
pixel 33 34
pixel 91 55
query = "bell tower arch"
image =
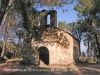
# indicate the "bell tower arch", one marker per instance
pixel 44 18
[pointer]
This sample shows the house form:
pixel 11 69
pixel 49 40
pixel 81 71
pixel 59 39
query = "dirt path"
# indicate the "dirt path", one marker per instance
pixel 14 68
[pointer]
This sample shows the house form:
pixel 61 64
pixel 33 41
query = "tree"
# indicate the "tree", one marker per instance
pixel 88 10
pixel 77 31
pixel 7 28
pixel 5 4
pixel 62 25
pixel 5 31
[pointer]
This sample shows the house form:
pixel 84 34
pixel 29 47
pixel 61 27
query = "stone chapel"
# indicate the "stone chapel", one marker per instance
pixel 53 45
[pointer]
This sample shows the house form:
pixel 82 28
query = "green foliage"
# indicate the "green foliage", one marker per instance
pixel 9 45
pixel 88 7
pixel 62 24
pixel 69 27
pixel 1 43
pixel 90 60
pixel 52 3
pixel 84 6
pixel 89 11
pixel 75 29
pixel 33 20
pixel 0 3
pixel 12 48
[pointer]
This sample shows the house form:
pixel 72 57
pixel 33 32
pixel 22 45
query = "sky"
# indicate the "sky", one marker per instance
pixel 69 16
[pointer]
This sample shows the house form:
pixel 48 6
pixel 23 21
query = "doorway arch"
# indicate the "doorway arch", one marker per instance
pixel 44 54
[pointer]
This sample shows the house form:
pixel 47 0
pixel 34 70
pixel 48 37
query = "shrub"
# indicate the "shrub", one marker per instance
pixel 90 60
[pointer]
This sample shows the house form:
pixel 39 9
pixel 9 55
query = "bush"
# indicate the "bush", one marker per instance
pixel 90 60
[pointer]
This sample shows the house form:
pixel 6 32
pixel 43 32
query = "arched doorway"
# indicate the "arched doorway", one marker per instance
pixel 44 55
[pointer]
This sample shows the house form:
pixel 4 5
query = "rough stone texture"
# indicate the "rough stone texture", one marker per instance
pixel 50 44
pixel 43 17
pixel 53 18
pixel 63 47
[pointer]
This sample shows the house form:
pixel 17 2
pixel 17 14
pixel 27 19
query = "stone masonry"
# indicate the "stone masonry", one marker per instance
pixel 55 46
pixel 62 47
pixel 52 45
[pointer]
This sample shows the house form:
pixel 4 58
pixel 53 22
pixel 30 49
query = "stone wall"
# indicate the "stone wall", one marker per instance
pixel 61 46
pixel 53 18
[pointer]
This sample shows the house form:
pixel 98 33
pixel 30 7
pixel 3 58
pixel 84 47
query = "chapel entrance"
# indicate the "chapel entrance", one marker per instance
pixel 44 55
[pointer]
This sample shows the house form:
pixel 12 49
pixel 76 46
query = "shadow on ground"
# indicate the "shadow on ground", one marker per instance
pixel 15 68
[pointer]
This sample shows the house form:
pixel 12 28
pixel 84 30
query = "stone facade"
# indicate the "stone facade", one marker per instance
pixel 57 47
pixel 50 44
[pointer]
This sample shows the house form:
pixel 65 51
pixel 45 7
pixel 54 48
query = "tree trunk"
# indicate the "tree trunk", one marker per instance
pixel 88 49
pixel 4 45
pixel 94 54
pixel 4 4
pixel 5 38
pixel 24 15
pixel 6 28
pixel 97 41
pixel 3 50
pixel 26 53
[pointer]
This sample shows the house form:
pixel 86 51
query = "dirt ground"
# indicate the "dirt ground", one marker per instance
pixel 15 68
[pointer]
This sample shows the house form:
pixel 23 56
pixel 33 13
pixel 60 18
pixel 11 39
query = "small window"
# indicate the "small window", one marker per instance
pixel 39 23
pixel 48 19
